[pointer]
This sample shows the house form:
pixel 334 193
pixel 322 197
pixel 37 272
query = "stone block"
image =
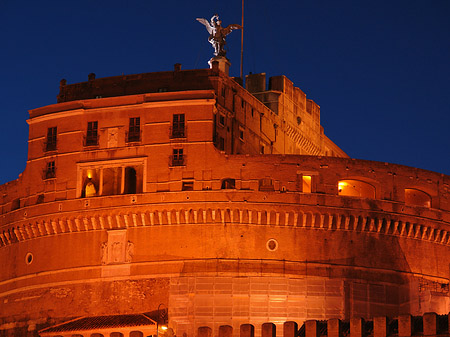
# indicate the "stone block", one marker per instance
pixel 311 328
pixel 247 330
pixel 268 330
pixel 356 327
pixel 334 327
pixel 380 326
pixel 204 331
pixel 429 324
pixel 225 331
pixel 290 329
pixel 404 325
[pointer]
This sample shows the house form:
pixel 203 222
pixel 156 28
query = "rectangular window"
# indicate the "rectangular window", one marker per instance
pixel 266 184
pixel 178 126
pixel 221 144
pixel 221 120
pixel 306 188
pixel 188 186
pixel 241 134
pixel 51 139
pixel 50 170
pixel 177 157
pixel 134 130
pixel 92 134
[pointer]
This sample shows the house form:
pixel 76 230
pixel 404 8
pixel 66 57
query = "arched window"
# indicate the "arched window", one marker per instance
pixel 136 334
pixel 97 335
pixel 130 180
pixel 417 197
pixel 116 334
pixel 90 190
pixel 228 184
pixel 356 188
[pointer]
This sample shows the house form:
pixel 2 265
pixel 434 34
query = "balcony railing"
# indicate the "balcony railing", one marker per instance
pixel 50 146
pixel 133 137
pixel 177 160
pixel 91 140
pixel 177 132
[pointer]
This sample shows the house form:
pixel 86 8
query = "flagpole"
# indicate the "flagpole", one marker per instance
pixel 242 43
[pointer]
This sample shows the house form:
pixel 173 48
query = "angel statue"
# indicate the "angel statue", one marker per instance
pixel 217 33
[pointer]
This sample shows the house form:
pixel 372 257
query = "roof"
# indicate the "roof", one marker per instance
pixel 101 322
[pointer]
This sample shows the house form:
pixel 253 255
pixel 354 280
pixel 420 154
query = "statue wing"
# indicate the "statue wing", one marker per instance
pixel 231 27
pixel 207 24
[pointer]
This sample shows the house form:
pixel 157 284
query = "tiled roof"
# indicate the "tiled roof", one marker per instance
pixel 101 322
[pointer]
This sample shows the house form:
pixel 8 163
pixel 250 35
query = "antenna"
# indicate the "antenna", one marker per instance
pixel 242 43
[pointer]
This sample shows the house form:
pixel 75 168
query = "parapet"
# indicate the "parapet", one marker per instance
pixel 430 324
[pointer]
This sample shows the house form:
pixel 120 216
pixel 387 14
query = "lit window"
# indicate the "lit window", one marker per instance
pixel 51 139
pixel 356 188
pixel 111 178
pixel 134 130
pixel 92 134
pixel 306 184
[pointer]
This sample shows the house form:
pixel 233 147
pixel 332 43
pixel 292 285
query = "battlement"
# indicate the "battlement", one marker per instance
pixel 430 324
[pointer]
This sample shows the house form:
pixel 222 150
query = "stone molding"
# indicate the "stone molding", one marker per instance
pixel 383 223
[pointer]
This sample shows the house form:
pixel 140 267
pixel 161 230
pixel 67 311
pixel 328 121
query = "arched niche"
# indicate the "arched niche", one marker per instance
pixel 356 188
pixel 417 197
pixel 228 184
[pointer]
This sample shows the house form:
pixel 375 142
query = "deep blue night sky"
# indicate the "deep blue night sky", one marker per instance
pixel 380 70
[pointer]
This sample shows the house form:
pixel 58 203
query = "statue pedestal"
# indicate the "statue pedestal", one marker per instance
pixel 223 63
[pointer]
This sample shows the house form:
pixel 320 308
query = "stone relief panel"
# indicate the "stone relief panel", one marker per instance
pixel 117 249
pixel 113 137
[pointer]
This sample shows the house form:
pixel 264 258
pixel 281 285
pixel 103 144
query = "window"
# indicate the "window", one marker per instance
pixel 221 120
pixel 50 170
pixel 417 197
pixel 266 184
pixel 228 184
pixel 188 186
pixel 178 125
pixel 112 177
pixel 177 157
pixel 356 188
pixel 15 204
pixel 221 144
pixel 241 134
pixel 306 186
pixel 92 134
pixel 134 130
pixel 130 180
pixel 51 139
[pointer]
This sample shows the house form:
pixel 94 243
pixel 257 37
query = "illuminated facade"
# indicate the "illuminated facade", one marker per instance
pixel 226 205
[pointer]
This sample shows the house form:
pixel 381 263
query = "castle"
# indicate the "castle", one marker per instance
pixel 184 191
